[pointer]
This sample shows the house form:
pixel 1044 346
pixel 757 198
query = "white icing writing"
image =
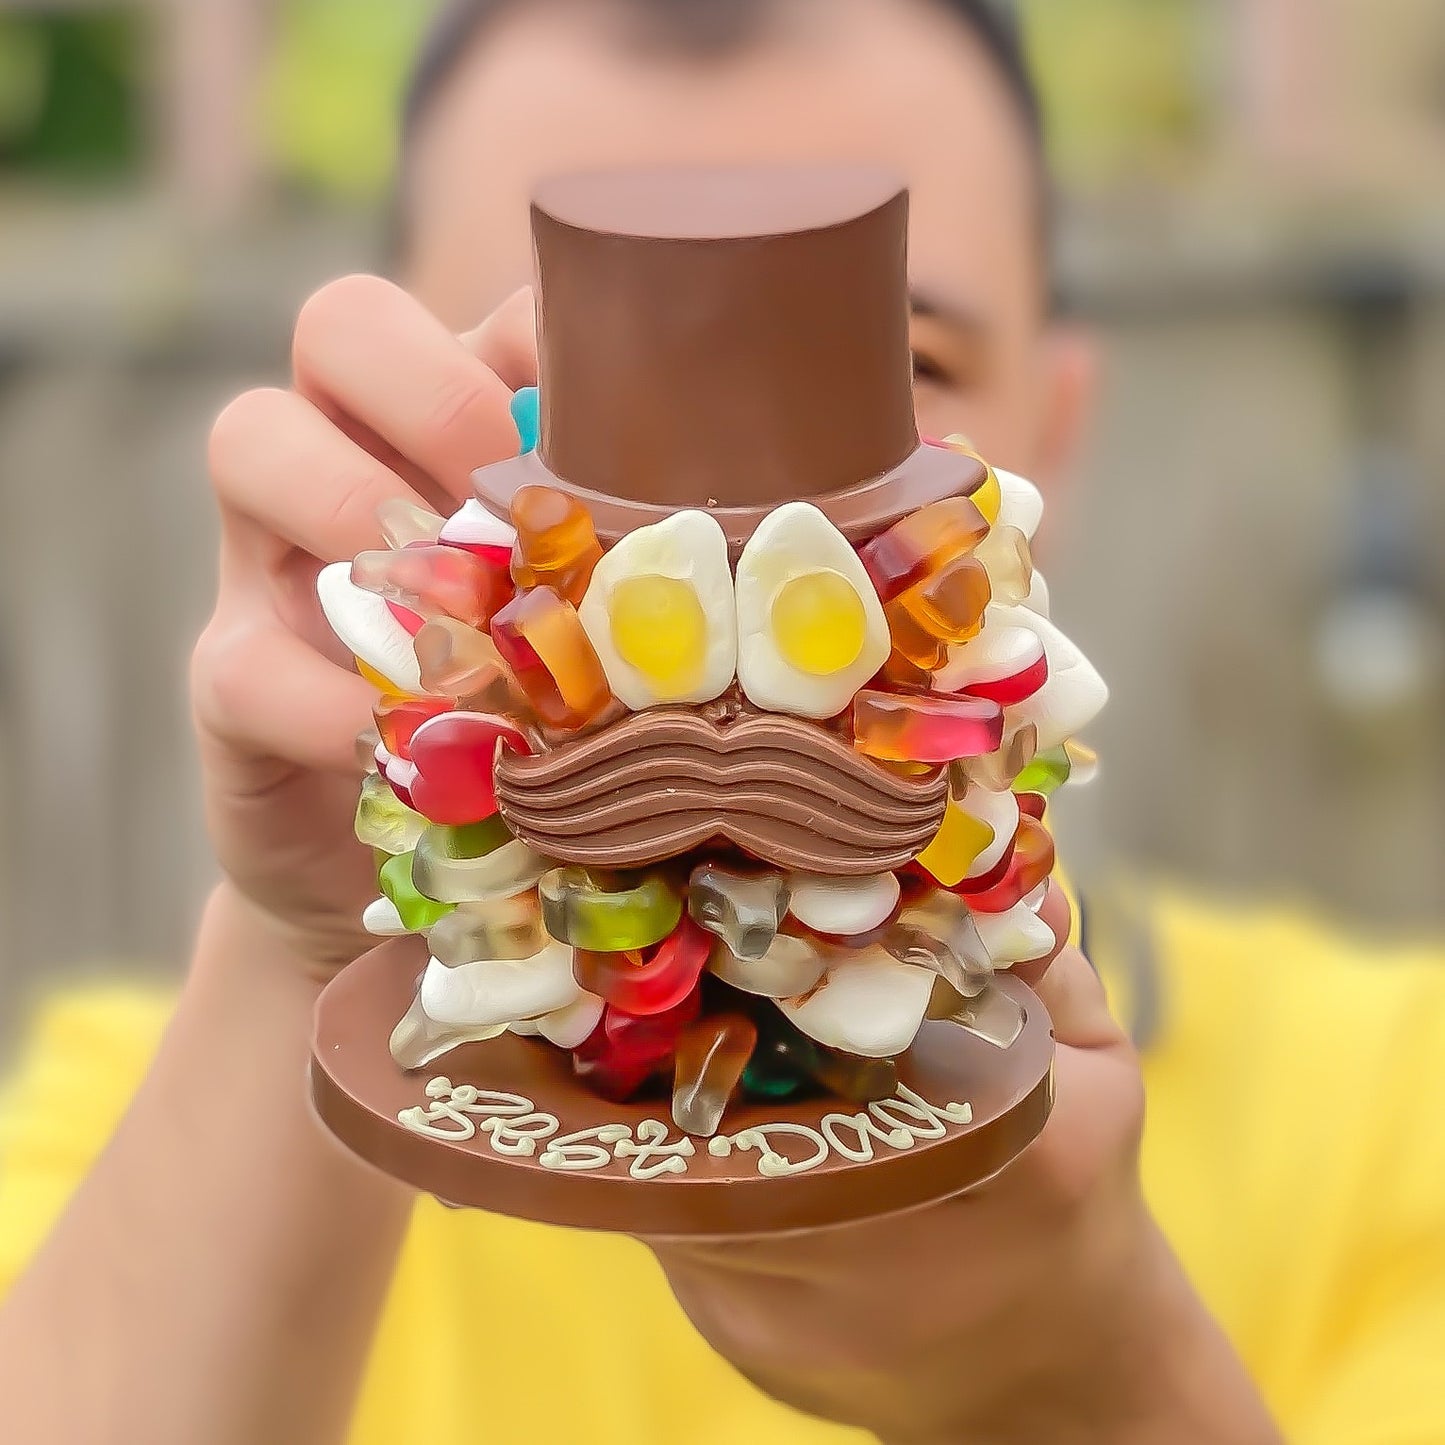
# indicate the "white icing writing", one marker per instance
pixel 512 1125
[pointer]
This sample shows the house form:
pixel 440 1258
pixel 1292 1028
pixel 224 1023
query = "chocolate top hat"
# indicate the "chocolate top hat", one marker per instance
pixel 727 339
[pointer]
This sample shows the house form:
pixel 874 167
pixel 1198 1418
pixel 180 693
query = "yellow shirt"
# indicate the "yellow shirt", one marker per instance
pixel 1295 1154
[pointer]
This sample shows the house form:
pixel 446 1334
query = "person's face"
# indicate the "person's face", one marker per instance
pixel 557 87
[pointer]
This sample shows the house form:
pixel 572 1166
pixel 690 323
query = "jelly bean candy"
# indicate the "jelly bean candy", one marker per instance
pixel 416 911
pixel 474 529
pixel 417 1040
pixel 921 544
pixel 640 986
pixel 1029 865
pixel 435 582
pixel 1003 664
pixel 382 920
pixel 543 642
pixel 498 991
pixel 939 934
pixel 920 729
pixel 708 1065
pixel 397 718
pixel 579 912
pixel 960 839
pixel 843 906
pixel 556 546
pixel 947 605
pixel 383 821
pixel 871 1006
pixel 474 863
pixel 499 928
pixel 405 524
pixel 454 756
pixel 1073 694
pixel 626 1052
pixel 1017 935
pixel 364 624
pixel 526 409
pixel 742 909
pixel 790 967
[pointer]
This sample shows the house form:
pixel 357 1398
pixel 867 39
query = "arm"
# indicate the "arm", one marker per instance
pixel 218 1276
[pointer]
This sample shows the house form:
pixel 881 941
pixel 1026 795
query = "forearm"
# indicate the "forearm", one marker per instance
pixel 219 1273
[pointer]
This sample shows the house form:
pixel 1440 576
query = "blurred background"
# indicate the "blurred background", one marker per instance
pixel 1254 225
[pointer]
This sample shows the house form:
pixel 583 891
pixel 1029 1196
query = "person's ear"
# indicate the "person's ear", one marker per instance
pixel 1070 381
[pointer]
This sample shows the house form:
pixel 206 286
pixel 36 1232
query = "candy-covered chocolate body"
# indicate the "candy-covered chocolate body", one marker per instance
pixel 705 772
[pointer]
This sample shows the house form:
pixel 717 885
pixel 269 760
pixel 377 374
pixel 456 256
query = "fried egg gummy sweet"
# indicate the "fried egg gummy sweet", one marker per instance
pixel 716 738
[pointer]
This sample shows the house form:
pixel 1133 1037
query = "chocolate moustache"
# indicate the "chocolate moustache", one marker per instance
pixel 659 783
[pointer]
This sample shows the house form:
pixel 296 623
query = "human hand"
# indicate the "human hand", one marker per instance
pixel 384 403
pixel 1043 1306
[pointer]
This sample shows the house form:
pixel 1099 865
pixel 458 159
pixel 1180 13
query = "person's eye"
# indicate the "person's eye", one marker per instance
pixel 926 368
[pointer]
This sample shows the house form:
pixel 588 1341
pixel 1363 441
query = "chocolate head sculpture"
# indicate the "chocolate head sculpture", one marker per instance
pixel 716 731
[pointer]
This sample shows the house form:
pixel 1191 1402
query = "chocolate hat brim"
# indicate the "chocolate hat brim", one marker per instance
pixel 927 475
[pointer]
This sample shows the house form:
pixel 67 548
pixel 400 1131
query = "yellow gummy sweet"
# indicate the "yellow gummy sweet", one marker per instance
pixel 989 497
pixel 959 840
pixel 659 627
pixel 818 622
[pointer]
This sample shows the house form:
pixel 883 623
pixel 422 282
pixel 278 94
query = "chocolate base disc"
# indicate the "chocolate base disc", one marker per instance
pixel 503 1125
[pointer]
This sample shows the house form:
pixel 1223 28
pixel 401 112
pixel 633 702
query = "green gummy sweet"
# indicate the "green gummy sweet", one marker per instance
pixel 417 911
pixel 1046 774
pixel 383 821
pixel 577 912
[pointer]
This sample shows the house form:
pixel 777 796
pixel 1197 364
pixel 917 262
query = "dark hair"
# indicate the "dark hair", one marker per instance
pixel 703 27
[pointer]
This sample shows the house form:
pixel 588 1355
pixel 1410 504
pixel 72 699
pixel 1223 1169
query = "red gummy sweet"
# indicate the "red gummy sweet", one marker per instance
pixel 1007 691
pixel 1030 863
pixel 398 718
pixel 625 1051
pixel 454 755
pixel 654 985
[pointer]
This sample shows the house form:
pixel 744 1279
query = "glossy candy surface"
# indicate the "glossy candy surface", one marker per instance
pixel 742 909
pixel 922 729
pixel 842 907
pixel 922 544
pixel 474 863
pixel 707 1067
pixel 865 1005
pixel 579 912
pixel 435 582
pixel 502 928
pixel 454 756
pixel 960 839
pixel 791 966
pixel 939 933
pixel 638 985
pixel 397 718
pixel 624 1051
pixel 404 524
pixel 383 821
pixel 416 911
pixel 1029 865
pixel 948 604
pixel 543 643
pixel 556 545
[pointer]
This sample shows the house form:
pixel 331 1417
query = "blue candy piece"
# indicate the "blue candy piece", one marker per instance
pixel 527 416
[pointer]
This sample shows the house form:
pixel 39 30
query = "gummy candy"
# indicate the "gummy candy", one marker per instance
pixel 1074 692
pixel 474 863
pixel 818 622
pixel 960 839
pixel 1010 566
pixel 870 1006
pixel 920 729
pixel 998 769
pixel 570 1025
pixel 791 966
pixel 1017 935
pixel 710 1057
pixel 543 642
pixel 999 809
pixel 624 1052
pixel 383 821
pixel 381 918
pixel 367 742
pixel 526 409
pixel 1005 664
pixel 939 933
pixel 852 1077
pixel 636 986
pixel 500 928
pixel 417 1040
pixel 742 909
pixel 577 911
pixel 404 523
pixel 457 661
pixel 843 906
pixel 454 755
pixel 1083 762
pixel 993 1015
pixel 1029 865
pixel 416 911
pixel 947 604
pixel 1046 774
pixel 435 582
pixel 499 991
pixel 1032 805
pixel 474 529
pixel 556 545
pixel 921 544
pixel 397 718
pixel 365 626
pixel 923 652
